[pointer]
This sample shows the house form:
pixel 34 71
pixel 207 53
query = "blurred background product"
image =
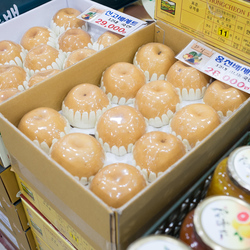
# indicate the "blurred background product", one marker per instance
pixel 12 8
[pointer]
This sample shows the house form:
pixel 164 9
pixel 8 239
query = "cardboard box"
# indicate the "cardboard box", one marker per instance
pixel 223 24
pixel 55 219
pixel 10 203
pixel 9 185
pixel 41 245
pixel 42 227
pixel 13 218
pixel 48 10
pixel 101 226
pixel 7 235
pixel 22 240
pixel 15 214
pixel 5 241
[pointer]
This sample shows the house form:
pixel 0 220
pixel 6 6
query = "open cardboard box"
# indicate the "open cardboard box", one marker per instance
pixel 15 28
pixel 101 226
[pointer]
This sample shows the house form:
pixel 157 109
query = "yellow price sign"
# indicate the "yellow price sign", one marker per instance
pixel 223 32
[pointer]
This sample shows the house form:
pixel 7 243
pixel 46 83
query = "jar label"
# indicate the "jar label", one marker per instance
pixel 242 165
pixel 227 224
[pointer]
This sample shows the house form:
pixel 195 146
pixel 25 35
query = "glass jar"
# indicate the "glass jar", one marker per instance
pixel 218 222
pixel 159 242
pixel 232 175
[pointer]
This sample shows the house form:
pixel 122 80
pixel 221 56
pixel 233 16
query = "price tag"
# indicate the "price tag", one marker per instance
pixel 111 20
pixel 216 65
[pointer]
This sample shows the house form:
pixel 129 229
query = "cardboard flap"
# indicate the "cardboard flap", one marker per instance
pixel 22 216
pixel 10 183
pixel 30 239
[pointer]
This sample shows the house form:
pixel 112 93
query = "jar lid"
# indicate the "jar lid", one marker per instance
pixel 223 223
pixel 238 167
pixel 160 242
